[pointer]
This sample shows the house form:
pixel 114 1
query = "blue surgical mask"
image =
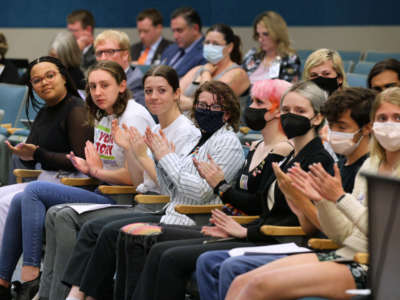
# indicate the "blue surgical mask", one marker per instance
pixel 213 53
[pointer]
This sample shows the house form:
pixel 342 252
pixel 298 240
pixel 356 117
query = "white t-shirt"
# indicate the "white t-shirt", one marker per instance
pixel 110 153
pixel 184 135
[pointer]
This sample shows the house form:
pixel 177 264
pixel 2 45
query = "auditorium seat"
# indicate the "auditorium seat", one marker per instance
pixel 375 56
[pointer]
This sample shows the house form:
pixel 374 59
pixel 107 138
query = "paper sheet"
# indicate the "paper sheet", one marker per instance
pixel 287 248
pixel 82 208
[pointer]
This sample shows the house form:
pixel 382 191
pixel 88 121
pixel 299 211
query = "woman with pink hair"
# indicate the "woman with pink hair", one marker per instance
pixel 239 199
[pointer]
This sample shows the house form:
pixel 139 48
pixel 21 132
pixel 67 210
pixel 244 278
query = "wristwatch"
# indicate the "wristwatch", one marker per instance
pixel 223 188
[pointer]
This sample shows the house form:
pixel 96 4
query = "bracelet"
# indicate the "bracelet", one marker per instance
pixel 216 189
pixel 340 198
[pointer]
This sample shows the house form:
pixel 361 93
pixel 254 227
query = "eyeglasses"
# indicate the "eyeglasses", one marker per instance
pixel 212 107
pixel 108 52
pixel 49 76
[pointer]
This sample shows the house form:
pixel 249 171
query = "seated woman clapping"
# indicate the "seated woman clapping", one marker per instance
pixel 343 218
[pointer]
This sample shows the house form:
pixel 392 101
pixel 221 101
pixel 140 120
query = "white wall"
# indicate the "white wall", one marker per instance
pixel 31 43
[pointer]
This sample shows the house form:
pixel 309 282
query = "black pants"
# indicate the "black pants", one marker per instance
pixel 92 264
pixel 164 273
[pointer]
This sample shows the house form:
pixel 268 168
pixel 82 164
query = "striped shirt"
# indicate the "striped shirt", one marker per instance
pixel 178 177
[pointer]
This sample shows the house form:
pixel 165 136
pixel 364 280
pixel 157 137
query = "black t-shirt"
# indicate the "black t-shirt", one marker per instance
pixel 348 173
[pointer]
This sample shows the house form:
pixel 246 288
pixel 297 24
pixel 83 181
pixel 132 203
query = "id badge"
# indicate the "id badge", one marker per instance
pixel 243 182
pixel 274 69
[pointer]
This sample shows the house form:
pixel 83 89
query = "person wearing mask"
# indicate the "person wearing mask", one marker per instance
pixel 222 51
pixel 318 274
pixel 325 68
pixel 384 74
pixel 275 58
pixel 187 51
pixel 148 51
pixel 81 24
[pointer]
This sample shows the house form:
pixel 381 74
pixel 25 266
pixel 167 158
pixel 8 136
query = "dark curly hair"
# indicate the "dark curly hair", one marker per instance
pixel 225 96
pixel 358 100
pixel 116 71
pixel 69 83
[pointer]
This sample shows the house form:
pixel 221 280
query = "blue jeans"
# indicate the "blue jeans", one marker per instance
pixel 25 221
pixel 215 271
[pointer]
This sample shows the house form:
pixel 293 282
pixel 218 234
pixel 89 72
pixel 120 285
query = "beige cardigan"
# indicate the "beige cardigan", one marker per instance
pixel 346 223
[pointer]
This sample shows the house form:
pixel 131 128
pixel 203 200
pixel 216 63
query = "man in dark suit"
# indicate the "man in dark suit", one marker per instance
pixel 148 51
pixel 187 51
pixel 81 24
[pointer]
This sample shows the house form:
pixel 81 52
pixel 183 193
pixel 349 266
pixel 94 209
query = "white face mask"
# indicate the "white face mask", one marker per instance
pixel 388 135
pixel 342 142
pixel 213 53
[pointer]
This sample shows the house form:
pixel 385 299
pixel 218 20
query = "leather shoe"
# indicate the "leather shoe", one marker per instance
pixel 26 290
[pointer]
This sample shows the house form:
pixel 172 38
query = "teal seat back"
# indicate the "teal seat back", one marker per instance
pixel 357 80
pixel 375 56
pixel 363 67
pixel 12 101
pixel 350 55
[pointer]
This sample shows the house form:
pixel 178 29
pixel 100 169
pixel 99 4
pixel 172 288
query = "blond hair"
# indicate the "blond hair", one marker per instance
pixel 390 95
pixel 119 36
pixel 320 56
pixel 277 30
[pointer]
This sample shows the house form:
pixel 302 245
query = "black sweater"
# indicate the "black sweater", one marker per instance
pixel 280 214
pixel 57 130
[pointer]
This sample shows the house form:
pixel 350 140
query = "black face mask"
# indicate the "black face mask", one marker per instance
pixel 209 121
pixel 295 125
pixel 327 84
pixel 254 117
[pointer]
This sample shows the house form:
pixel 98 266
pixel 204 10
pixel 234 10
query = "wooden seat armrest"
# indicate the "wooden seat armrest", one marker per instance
pixel 196 209
pixel 245 219
pixel 282 230
pixel 322 244
pixel 361 258
pixel 117 189
pixel 6 125
pixel 151 199
pixel 79 181
pixel 244 129
pixel 26 173
pixel 11 130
